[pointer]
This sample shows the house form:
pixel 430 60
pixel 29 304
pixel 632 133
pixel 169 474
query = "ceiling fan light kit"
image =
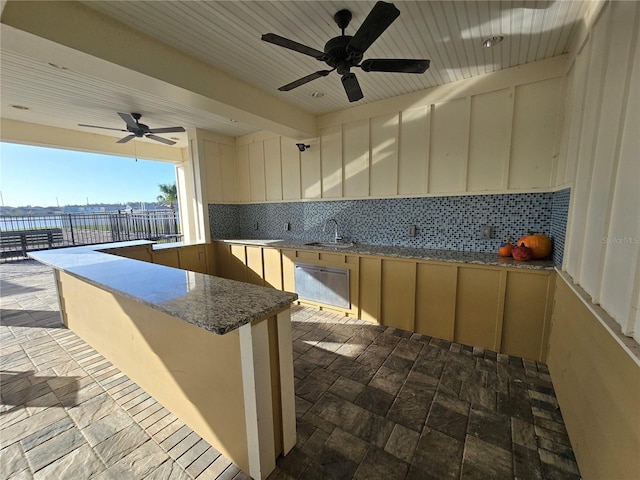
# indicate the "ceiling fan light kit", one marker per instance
pixel 493 41
pixel 140 130
pixel 345 51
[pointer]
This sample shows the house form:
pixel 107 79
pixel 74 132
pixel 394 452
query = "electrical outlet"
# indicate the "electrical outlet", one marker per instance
pixel 485 232
pixel 412 230
pixel 287 226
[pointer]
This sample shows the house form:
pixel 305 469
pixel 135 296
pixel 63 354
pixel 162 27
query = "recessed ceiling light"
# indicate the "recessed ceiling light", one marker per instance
pixel 59 67
pixel 493 41
pixel 20 107
pixel 317 94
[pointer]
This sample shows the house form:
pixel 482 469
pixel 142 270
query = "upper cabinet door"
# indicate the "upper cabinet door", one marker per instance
pixel 273 168
pixel 413 155
pixel 355 138
pixel 535 126
pixel 213 170
pixel 489 140
pixel 331 159
pixel 256 171
pixel 244 182
pixel 449 146
pixel 310 173
pixel 228 172
pixel 384 156
pixel 290 170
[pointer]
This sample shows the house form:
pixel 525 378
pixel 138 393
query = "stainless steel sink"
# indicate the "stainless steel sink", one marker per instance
pixel 331 244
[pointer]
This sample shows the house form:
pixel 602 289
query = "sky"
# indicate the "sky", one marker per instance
pixel 45 177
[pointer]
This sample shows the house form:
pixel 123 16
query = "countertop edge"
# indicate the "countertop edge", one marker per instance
pixel 180 308
pixel 409 253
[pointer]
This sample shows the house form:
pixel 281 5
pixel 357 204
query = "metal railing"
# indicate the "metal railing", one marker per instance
pixel 21 234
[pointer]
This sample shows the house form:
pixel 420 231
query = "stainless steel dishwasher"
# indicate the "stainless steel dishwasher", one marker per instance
pixel 326 285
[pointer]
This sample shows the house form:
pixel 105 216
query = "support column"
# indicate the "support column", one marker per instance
pixel 200 182
pixel 287 392
pixel 258 400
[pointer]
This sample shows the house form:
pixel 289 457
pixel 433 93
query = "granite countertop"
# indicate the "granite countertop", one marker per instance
pixel 163 246
pixel 477 258
pixel 215 304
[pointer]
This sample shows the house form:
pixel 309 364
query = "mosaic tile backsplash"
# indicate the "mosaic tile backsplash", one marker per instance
pixel 451 223
pixel 559 215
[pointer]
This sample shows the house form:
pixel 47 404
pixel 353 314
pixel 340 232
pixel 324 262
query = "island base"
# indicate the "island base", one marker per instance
pixel 234 390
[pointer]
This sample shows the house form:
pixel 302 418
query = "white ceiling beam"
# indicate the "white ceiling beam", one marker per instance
pixel 24 133
pixel 77 37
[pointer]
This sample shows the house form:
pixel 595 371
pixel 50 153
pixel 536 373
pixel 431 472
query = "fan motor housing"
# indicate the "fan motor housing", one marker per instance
pixel 140 131
pixel 338 56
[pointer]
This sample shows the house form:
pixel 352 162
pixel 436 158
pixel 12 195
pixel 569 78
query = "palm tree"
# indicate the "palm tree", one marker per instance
pixel 169 194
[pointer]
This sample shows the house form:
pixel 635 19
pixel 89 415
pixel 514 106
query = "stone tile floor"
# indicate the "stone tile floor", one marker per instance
pixel 372 403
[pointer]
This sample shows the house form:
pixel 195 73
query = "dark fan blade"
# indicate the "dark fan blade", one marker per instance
pixel 352 87
pixel 128 119
pixel 303 80
pixel 105 128
pixel 381 16
pixel 402 65
pixel 126 139
pixel 291 45
pixel 165 130
pixel 160 139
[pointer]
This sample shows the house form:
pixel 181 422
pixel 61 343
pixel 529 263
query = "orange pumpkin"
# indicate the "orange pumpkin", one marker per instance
pixel 505 249
pixel 539 244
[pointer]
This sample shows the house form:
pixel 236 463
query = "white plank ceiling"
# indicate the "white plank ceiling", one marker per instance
pixel 226 34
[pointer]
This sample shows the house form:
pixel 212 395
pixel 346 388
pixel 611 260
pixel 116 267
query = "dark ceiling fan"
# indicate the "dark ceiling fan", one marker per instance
pixel 138 129
pixel 345 51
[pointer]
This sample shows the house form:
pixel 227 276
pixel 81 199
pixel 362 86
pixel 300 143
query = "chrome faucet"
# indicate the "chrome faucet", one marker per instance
pixel 337 237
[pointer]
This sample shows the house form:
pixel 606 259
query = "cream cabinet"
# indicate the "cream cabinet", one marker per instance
pixel 479 301
pixel 187 257
pixel 528 297
pixel 503 309
pixel 167 257
pixel 254 265
pixel 436 291
pixel 195 258
pixel 370 288
pixel 398 293
pixel 137 252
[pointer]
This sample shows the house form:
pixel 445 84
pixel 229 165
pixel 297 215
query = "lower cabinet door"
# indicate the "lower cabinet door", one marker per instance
pixel 398 293
pixel 479 303
pixel 193 258
pixel 525 328
pixel 370 281
pixel 436 300
pixel 168 257
pixel 254 265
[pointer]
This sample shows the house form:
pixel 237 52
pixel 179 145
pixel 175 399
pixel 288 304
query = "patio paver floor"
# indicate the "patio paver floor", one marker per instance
pixel 372 402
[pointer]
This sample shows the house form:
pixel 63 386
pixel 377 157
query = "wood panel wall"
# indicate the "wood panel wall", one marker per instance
pixel 599 156
pixel 597 383
pixel 495 133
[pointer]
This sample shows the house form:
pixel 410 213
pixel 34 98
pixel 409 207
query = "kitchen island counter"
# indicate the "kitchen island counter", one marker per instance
pixel 215 304
pixel 216 353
